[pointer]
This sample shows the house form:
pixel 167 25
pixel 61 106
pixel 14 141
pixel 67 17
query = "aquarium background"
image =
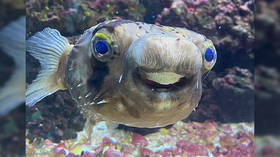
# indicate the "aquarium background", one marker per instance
pixel 48 13
pixel 267 72
pixel 12 125
pixel 221 125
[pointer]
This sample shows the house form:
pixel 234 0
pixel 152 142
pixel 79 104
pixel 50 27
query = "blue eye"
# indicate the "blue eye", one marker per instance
pixel 209 55
pixel 101 47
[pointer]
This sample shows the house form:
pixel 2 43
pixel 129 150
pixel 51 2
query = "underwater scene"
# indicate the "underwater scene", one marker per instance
pixel 267 80
pixel 12 79
pixel 140 78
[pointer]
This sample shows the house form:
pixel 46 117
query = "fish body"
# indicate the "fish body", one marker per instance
pixel 131 73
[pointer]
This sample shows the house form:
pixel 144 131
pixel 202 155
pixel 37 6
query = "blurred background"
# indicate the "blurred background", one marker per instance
pixel 267 81
pixel 12 79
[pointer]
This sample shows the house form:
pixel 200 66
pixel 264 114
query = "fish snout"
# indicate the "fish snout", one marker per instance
pixel 164 61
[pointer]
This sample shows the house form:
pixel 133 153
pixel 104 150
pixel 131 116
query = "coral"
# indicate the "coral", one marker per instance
pixel 228 23
pixel 267 146
pixel 72 17
pixel 58 121
pixel 237 86
pixel 183 139
pixel 237 79
pixel 227 97
pixel 138 139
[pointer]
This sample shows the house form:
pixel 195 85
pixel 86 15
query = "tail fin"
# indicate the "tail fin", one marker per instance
pixel 50 48
pixel 12 42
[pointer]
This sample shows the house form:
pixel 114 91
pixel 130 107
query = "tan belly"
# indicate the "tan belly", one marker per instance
pixel 142 117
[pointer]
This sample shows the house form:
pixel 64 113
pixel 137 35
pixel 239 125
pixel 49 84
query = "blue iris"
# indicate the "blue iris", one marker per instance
pixel 101 47
pixel 209 55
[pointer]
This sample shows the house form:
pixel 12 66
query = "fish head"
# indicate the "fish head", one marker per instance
pixel 148 79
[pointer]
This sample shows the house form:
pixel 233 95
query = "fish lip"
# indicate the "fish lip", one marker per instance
pixel 139 76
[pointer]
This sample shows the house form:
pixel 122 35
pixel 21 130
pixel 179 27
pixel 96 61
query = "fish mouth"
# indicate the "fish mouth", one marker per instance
pixel 163 81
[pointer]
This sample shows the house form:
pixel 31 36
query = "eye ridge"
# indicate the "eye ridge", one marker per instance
pixel 209 54
pixel 101 47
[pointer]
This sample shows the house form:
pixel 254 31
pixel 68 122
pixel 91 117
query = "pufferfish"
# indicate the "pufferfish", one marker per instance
pixel 130 73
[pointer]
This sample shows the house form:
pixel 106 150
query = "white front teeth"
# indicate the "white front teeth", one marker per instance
pixel 163 78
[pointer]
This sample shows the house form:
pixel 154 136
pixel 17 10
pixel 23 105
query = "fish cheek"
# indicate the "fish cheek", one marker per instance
pixel 77 73
pixel 99 71
pixel 193 95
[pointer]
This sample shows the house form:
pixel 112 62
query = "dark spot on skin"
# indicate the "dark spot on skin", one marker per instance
pixel 110 29
pixel 147 32
pixel 178 39
pixel 113 43
pixel 116 53
pixel 184 36
pixel 131 110
pixel 140 27
pixel 177 32
pixel 100 70
pixel 137 23
pixel 162 33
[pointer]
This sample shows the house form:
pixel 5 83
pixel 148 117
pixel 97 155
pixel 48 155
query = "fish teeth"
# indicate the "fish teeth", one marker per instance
pixel 164 78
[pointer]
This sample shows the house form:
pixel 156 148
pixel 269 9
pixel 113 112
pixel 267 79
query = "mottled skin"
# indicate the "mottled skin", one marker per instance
pixel 111 87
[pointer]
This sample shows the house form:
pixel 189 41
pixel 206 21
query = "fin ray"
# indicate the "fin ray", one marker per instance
pixel 48 46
